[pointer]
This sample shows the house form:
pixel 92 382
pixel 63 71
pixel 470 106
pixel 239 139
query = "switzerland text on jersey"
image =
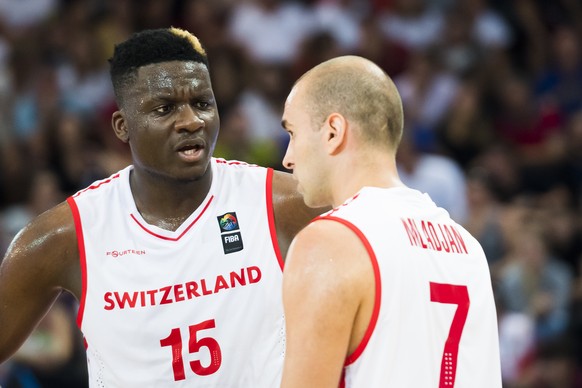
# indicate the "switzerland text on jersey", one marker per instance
pixel 181 292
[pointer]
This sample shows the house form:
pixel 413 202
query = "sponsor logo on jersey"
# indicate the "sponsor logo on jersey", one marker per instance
pixel 124 252
pixel 231 240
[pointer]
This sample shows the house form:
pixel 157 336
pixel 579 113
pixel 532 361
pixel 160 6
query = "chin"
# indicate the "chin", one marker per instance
pixel 313 202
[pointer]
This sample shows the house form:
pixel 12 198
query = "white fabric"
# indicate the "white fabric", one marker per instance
pixel 179 280
pixel 406 346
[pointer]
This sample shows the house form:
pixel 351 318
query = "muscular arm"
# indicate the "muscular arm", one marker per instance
pixel 291 213
pixel 328 296
pixel 41 262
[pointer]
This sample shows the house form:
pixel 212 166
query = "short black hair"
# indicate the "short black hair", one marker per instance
pixel 152 46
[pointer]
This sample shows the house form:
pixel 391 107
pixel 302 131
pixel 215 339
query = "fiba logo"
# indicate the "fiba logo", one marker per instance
pixel 231 237
pixel 228 222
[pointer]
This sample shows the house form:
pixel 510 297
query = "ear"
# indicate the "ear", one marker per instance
pixel 119 126
pixel 336 127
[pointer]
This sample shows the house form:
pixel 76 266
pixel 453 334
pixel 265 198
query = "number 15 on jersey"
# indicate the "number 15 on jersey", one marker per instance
pixel 196 343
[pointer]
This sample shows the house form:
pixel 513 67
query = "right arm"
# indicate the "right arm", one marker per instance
pixel 328 297
pixel 41 262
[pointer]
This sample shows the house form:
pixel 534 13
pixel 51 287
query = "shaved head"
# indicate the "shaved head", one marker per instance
pixel 360 91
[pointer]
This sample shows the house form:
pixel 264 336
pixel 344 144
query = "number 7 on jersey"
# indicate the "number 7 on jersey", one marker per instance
pixel 451 294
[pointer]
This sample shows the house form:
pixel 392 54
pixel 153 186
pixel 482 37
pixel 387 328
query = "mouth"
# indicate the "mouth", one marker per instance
pixel 191 150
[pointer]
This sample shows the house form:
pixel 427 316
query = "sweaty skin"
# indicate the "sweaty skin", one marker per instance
pixel 170 109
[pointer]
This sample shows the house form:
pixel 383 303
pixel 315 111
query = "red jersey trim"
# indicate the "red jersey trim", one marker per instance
pixel 234 162
pixel 82 258
pixel 271 217
pixel 335 209
pixel 181 234
pixel 93 187
pixel 350 359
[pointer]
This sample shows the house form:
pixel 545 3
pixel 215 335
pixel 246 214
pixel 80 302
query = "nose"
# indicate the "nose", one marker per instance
pixel 188 119
pixel 288 159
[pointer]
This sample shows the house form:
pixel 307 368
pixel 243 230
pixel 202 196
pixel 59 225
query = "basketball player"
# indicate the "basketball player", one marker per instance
pixel 175 260
pixel 385 290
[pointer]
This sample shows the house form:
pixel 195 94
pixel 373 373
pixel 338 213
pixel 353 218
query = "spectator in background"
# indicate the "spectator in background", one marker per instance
pixel 113 25
pixel 563 226
pixel 21 17
pixel 561 80
pixel 500 164
pixel 459 50
pixel 535 282
pixel 489 28
pixel 391 56
pixel 412 23
pixel 484 215
pixel 261 103
pixel 465 131
pixel 52 357
pixel 553 365
pixel 83 77
pixel 574 156
pixel 534 131
pixel 271 31
pixel 517 342
pixel 427 93
pixel 314 50
pixel 342 20
pixel 154 14
pixel 209 20
pixel 438 175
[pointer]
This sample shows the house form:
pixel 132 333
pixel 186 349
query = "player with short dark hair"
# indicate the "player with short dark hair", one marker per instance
pixel 176 260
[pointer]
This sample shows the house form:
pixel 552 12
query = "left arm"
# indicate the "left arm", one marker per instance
pixel 326 296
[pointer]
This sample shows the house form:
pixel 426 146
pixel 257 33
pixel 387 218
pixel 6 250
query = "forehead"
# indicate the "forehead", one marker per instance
pixel 167 77
pixel 295 102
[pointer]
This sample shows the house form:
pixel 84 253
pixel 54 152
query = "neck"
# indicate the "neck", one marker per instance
pixel 373 169
pixel 167 202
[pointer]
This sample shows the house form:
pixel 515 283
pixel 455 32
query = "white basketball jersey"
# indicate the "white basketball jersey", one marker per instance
pixel 196 307
pixel 434 321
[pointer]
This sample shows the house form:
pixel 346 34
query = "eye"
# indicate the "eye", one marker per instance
pixel 201 104
pixel 164 109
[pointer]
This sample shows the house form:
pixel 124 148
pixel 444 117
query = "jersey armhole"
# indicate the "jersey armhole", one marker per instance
pixel 351 358
pixel 82 258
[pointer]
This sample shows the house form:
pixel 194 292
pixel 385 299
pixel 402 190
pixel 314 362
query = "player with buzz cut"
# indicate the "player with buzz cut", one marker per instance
pixel 385 290
pixel 176 260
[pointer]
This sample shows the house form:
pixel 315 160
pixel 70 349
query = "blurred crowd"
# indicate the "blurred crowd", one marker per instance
pixel 492 94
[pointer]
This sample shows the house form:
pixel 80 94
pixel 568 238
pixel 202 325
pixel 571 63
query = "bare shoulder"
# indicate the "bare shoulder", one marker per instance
pixel 291 213
pixel 46 251
pixel 40 263
pixel 327 252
